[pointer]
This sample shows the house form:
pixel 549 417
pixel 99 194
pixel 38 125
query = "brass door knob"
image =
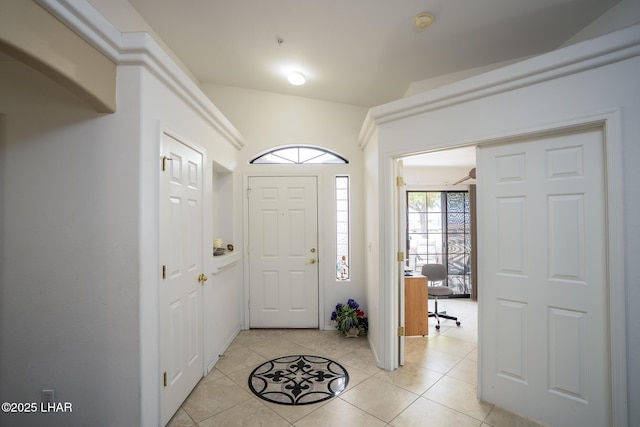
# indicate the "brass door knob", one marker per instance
pixel 202 278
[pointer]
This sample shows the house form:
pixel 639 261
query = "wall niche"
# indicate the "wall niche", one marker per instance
pixel 222 218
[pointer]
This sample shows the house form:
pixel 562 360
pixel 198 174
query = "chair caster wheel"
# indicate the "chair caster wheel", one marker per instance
pixel 438 327
pixel 457 323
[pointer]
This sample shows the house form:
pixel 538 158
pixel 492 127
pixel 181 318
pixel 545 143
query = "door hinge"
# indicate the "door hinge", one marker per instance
pixel 164 162
pixel 164 272
pixel 400 331
pixel 165 379
pixel 400 256
pixel 399 181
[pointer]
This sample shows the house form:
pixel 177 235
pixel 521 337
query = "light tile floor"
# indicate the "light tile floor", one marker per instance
pixel 437 386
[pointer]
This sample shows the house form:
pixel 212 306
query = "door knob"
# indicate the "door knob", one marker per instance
pixel 312 261
pixel 202 278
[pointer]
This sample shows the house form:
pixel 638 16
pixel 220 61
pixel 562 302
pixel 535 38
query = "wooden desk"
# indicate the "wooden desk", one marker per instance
pixel 416 308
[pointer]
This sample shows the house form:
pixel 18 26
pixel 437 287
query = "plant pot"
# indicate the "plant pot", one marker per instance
pixel 352 333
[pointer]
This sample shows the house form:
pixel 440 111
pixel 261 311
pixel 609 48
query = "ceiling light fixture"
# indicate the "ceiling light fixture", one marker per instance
pixel 423 20
pixel 296 78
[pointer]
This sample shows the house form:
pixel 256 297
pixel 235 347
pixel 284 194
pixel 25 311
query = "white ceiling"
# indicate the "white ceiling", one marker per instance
pixel 456 157
pixel 359 52
pixel 440 168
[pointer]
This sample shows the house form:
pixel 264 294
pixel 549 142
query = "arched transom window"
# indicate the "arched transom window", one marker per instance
pixel 299 155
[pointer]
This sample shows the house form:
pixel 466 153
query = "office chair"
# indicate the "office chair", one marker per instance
pixel 438 273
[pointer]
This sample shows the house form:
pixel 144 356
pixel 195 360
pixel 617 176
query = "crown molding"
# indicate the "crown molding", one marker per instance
pixel 142 50
pixel 601 51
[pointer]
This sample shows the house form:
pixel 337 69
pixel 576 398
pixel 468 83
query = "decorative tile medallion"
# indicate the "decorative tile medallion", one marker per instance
pixel 298 380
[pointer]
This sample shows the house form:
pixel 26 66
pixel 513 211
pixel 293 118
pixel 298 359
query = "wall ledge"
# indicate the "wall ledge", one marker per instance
pixel 140 49
pixel 35 37
pixel 222 262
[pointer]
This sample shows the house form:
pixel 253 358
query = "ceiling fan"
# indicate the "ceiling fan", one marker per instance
pixel 472 175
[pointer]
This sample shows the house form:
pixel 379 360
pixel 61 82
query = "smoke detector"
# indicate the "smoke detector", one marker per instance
pixel 423 20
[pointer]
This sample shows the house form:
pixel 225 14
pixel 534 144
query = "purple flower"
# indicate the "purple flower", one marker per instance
pixel 348 316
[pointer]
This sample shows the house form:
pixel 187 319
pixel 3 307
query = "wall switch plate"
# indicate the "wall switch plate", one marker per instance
pixel 47 397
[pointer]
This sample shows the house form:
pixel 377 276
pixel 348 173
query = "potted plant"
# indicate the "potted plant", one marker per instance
pixel 350 320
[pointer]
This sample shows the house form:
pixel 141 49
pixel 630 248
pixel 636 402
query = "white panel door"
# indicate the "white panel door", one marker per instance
pixel 543 283
pixel 180 293
pixel 283 267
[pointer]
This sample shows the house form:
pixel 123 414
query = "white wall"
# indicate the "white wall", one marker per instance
pixel 375 298
pixel 624 14
pixel 268 120
pixel 563 88
pixel 69 269
pixel 164 109
pixel 79 218
pixel 80 267
pixel 122 221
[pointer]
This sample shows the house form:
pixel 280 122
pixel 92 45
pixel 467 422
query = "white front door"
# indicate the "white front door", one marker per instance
pixel 181 257
pixel 543 291
pixel 283 252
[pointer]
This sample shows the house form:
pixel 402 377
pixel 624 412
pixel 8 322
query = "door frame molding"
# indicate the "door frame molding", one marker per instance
pixel 610 124
pixel 245 239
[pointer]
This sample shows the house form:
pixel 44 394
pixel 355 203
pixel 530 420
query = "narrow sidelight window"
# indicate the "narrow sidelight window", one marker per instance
pixel 342 228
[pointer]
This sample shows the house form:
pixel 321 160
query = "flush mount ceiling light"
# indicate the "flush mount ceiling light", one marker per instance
pixel 296 78
pixel 423 20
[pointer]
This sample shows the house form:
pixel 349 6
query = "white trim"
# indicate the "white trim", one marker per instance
pixel 284 147
pixel 389 271
pixel 320 242
pixel 607 49
pixel 610 123
pixel 142 50
pixel 85 20
pixel 156 311
pixel 222 262
pixel 615 228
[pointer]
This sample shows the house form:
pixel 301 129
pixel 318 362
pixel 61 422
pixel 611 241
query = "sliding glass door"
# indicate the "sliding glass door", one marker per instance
pixel 439 231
